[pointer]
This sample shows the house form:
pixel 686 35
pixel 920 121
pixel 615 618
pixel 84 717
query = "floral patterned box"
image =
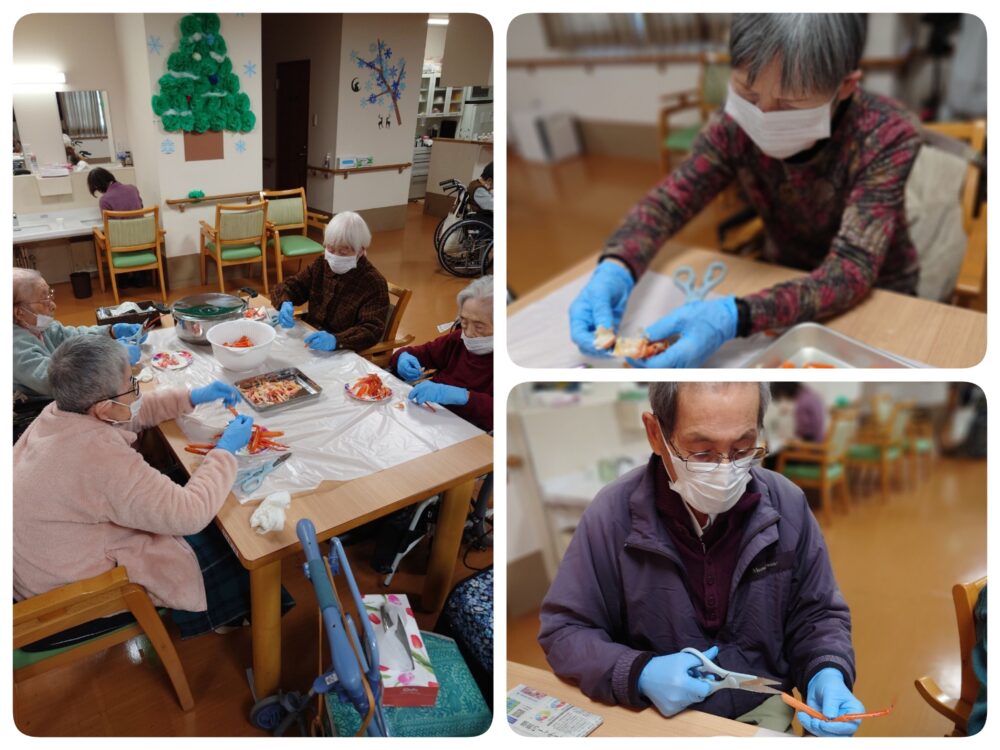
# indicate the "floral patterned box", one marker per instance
pixel 408 678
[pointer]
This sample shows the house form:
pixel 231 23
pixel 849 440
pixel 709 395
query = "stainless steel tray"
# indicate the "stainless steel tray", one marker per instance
pixel 812 343
pixel 309 392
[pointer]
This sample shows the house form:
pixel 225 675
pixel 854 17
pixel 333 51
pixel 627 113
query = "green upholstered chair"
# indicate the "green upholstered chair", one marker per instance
pixel 289 219
pixel 713 81
pixel 70 606
pixel 823 465
pixel 883 446
pixel 130 241
pixel 239 237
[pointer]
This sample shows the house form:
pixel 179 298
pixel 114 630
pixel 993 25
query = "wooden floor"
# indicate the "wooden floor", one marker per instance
pixel 895 564
pixel 124 691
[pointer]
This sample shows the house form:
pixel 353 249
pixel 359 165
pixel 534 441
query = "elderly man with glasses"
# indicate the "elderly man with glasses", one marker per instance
pixel 701 548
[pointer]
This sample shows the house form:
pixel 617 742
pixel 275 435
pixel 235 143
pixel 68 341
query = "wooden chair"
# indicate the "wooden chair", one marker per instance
pixel 713 81
pixel 289 220
pixel 919 444
pixel 130 241
pixel 381 353
pixel 957 710
pixel 239 237
pixel 822 465
pixel 78 603
pixel 883 445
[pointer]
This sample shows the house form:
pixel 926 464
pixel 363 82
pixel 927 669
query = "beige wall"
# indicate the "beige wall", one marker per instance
pixel 468 58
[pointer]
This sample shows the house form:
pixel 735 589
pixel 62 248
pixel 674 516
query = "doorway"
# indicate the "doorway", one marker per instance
pixel 292 124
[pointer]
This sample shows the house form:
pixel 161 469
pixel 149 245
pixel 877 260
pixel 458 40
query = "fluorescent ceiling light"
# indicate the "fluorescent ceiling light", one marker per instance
pixel 33 75
pixel 437 21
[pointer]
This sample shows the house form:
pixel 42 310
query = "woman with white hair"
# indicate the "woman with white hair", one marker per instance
pixel 37 333
pixel 85 500
pixel 822 161
pixel 463 359
pixel 348 298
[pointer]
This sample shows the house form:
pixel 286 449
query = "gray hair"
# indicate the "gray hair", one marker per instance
pixel 348 229
pixel 816 49
pixel 25 281
pixel 86 369
pixel 663 398
pixel 481 288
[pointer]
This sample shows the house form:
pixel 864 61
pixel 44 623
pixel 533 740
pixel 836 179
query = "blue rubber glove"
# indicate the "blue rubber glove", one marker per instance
pixel 236 435
pixel 665 681
pixel 127 331
pixel 600 303
pixel 439 393
pixel 214 391
pixel 828 694
pixel 134 354
pixel 703 326
pixel 408 367
pixel 321 341
pixel 286 315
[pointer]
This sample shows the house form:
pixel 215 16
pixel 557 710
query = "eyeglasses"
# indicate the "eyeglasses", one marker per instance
pixel 47 299
pixel 706 461
pixel 134 390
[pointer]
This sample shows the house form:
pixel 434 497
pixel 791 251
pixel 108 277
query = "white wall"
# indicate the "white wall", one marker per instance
pixel 37 116
pixel 434 49
pixel 357 127
pixel 468 58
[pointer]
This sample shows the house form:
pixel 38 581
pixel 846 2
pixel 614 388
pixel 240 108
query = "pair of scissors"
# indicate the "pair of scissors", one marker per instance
pixel 685 278
pixel 722 678
pixel 255 478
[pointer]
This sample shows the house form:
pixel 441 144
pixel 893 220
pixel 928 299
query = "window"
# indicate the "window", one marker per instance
pixel 82 114
pixel 576 32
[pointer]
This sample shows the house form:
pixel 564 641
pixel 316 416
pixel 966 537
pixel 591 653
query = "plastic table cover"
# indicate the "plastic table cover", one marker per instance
pixel 332 437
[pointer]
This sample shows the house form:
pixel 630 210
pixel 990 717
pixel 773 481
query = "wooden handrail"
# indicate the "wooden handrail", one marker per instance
pixel 378 168
pixel 181 203
pixel 663 59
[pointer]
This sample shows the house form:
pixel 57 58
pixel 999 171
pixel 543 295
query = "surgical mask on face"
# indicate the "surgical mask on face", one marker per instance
pixel 41 322
pixel 780 134
pixel 341 263
pixel 479 344
pixel 709 492
pixel 133 408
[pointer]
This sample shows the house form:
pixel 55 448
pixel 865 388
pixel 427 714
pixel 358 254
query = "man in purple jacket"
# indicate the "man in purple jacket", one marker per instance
pixel 701 548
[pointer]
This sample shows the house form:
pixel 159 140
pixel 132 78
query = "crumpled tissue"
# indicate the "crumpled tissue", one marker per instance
pixel 270 514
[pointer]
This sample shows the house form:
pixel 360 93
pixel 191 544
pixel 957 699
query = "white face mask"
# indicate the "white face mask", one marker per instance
pixel 341 263
pixel 133 408
pixel 479 344
pixel 710 492
pixel 41 322
pixel 780 134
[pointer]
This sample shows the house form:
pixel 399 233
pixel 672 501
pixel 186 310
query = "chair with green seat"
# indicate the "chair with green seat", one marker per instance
pixel 130 241
pixel 920 444
pixel 239 237
pixel 290 219
pixel 823 465
pixel 75 604
pixel 713 82
pixel 883 445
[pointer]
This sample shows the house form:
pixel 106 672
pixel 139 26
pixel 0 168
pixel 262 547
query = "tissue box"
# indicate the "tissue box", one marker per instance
pixel 408 678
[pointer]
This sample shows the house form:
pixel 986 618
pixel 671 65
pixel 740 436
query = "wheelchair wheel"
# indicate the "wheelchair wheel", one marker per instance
pixel 439 230
pixel 463 246
pixel 487 266
pixel 268 713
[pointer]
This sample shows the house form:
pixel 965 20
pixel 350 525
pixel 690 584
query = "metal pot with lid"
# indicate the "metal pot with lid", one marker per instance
pixel 194 316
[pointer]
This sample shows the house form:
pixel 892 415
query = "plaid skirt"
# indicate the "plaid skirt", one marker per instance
pixel 227 586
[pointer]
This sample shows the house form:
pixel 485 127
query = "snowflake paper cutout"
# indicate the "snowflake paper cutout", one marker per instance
pixel 154 45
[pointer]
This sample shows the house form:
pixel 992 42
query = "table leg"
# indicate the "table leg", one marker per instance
pixel 265 608
pixel 447 541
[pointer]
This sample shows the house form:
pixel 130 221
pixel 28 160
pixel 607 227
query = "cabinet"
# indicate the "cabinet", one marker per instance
pixel 439 101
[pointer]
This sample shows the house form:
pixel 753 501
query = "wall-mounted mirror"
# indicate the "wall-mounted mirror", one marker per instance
pixel 65 127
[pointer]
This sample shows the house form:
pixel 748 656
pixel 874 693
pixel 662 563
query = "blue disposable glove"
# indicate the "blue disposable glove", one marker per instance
pixel 286 315
pixel 321 341
pixel 127 331
pixel 439 393
pixel 828 694
pixel 236 435
pixel 134 354
pixel 665 681
pixel 214 391
pixel 408 367
pixel 703 326
pixel 600 303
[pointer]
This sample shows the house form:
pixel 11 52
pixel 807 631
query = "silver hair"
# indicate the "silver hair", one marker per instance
pixel 25 281
pixel 348 229
pixel 86 369
pixel 816 49
pixel 663 398
pixel 481 288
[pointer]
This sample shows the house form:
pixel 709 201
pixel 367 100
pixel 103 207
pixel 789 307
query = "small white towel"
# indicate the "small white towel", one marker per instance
pixel 270 514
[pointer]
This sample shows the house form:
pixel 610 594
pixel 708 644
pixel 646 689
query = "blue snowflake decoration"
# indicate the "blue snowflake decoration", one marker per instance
pixel 213 79
pixel 368 85
pixel 372 98
pixel 154 45
pixel 250 69
pixel 364 103
pixel 241 146
pixel 210 38
pixel 393 71
pixel 388 53
pixel 167 147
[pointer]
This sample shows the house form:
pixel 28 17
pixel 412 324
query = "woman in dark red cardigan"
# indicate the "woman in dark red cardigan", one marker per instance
pixel 463 359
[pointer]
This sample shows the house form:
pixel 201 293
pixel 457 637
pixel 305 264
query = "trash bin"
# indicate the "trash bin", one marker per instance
pixel 81 284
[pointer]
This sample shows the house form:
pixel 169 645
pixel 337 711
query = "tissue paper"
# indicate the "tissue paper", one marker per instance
pixel 270 514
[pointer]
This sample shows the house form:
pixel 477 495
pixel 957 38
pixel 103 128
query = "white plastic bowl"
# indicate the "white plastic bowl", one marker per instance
pixel 261 334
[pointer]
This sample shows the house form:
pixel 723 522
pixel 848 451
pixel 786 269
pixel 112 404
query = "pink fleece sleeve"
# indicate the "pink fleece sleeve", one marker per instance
pixel 161 405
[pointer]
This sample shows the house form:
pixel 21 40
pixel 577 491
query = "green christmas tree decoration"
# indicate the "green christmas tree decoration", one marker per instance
pixel 200 91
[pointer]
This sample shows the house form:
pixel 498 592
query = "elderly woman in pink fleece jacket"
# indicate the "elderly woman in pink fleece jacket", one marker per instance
pixel 85 500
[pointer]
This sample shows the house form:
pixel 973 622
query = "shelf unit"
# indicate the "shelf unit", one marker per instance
pixel 439 101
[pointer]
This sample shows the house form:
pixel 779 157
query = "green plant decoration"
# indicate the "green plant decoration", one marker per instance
pixel 200 91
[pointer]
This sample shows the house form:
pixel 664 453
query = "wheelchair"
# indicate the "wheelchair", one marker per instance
pixel 459 208
pixel 466 247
